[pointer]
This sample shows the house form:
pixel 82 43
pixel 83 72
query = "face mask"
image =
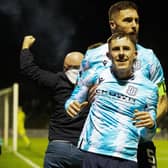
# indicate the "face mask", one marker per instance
pixel 72 75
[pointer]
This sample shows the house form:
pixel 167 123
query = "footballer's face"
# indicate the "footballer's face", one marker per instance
pixel 126 20
pixel 122 53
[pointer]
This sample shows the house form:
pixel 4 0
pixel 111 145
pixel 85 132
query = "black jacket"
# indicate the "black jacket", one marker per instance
pixel 61 126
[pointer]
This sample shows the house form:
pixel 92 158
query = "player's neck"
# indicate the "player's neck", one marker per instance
pixel 123 74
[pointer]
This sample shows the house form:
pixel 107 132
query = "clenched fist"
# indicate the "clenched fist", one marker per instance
pixel 28 41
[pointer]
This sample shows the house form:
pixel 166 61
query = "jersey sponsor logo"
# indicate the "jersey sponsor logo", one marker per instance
pixel 116 95
pixel 132 90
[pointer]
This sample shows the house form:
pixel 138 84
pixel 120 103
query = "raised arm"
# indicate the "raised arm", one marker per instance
pixel 30 69
pixel 28 41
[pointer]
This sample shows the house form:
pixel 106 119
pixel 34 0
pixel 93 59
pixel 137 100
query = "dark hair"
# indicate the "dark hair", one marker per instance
pixel 121 35
pixel 121 5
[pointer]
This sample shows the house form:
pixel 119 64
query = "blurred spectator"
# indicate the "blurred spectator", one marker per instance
pixel 21 126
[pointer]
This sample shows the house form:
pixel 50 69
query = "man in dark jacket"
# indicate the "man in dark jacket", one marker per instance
pixel 64 131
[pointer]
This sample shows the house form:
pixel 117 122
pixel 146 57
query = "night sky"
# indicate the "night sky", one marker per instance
pixel 61 26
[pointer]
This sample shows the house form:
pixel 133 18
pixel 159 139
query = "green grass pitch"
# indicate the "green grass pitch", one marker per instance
pixel 38 146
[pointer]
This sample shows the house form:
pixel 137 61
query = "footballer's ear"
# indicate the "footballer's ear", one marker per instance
pixel 135 54
pixel 112 25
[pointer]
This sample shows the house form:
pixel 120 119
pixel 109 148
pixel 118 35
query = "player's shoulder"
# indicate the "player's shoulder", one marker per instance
pixel 147 55
pixel 143 49
pixel 145 52
pixel 95 45
pixel 147 83
pixel 102 47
